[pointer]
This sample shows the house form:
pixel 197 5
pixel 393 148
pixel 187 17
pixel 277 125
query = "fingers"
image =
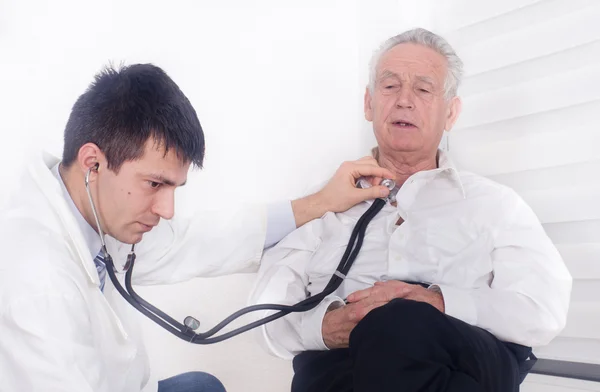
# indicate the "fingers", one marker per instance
pixel 361 302
pixel 372 193
pixel 382 291
pixel 359 310
pixel 376 181
pixel 341 192
pixel 369 167
pixel 368 158
pixel 370 170
pixel 359 295
pixel 372 161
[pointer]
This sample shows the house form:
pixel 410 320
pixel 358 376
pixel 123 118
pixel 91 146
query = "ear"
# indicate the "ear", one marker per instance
pixel 368 108
pixel 454 109
pixel 88 157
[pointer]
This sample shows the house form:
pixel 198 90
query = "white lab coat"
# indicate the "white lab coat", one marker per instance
pixel 58 331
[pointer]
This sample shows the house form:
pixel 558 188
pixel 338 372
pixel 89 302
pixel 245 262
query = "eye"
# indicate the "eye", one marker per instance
pixel 154 184
pixel 389 87
pixel 424 90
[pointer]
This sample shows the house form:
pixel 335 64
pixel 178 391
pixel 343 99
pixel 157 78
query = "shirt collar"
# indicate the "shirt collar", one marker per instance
pixel 445 167
pixel 90 236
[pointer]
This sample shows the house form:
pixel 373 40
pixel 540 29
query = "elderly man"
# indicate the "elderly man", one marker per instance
pixel 487 283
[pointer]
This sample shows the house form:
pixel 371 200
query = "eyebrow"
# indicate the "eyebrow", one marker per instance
pixel 164 180
pixel 425 79
pixel 387 74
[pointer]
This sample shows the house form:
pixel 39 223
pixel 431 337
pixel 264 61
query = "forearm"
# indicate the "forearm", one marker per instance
pixel 308 208
pixel 297 332
pixel 511 316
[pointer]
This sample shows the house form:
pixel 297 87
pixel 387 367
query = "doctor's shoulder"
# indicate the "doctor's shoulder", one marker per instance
pixel 36 260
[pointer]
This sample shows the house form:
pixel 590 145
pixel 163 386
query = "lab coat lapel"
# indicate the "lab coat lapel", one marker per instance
pixel 51 190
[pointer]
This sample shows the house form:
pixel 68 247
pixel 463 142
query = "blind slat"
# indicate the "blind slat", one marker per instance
pixel 583 321
pixel 540 67
pixel 542 38
pixel 578 115
pixel 583 261
pixel 587 231
pixel 513 20
pixel 565 204
pixel 456 14
pixel 535 96
pixel 529 151
pixel 587 291
pixel 565 176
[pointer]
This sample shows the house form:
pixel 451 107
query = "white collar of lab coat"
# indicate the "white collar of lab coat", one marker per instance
pixel 92 238
pixel 41 173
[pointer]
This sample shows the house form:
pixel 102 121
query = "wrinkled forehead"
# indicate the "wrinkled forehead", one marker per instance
pixel 409 61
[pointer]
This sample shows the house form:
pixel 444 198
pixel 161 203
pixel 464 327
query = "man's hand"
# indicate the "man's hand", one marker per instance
pixel 341 193
pixel 338 323
pixel 387 291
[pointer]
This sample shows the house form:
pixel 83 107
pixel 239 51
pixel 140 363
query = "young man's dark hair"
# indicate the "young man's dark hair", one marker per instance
pixel 124 107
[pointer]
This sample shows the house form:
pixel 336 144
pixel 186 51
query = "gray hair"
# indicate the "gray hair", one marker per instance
pixel 430 40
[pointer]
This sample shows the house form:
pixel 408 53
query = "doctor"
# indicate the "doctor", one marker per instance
pixel 63 326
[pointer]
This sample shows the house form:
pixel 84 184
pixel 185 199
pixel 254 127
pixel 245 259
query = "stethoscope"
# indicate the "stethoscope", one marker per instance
pixel 186 329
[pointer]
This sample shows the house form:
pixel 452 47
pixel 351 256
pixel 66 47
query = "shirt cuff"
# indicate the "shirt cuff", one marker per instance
pixel 458 303
pixel 280 222
pixel 312 325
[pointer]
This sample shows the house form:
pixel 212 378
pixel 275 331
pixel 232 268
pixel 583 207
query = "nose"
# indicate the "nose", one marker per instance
pixel 164 204
pixel 405 99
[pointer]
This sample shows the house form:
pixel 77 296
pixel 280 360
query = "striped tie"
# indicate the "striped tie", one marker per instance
pixel 101 268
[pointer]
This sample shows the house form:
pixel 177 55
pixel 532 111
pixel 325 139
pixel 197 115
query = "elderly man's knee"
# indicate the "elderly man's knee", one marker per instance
pixel 397 320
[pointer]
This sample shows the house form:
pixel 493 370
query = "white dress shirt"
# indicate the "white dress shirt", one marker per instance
pixel 475 239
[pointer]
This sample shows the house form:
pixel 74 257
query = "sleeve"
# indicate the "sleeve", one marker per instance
pixel 283 279
pixel 46 346
pixel 528 299
pixel 210 243
pixel 280 222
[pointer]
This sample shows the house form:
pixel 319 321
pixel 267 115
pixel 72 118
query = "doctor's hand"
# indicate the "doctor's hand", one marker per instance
pixel 389 290
pixel 341 192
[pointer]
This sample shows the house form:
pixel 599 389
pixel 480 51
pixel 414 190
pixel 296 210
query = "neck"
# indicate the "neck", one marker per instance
pixel 75 184
pixel 405 165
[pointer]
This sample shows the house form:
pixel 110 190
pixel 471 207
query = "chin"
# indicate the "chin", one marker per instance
pixel 404 146
pixel 135 238
pixel 403 143
pixel 130 238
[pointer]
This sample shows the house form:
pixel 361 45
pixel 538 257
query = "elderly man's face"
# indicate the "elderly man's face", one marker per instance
pixel 407 106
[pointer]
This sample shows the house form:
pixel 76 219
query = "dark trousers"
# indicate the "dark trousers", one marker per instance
pixel 408 346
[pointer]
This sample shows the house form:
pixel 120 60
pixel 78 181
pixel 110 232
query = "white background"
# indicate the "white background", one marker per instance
pixel 278 88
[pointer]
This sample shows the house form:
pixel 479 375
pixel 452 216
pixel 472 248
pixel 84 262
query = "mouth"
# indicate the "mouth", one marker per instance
pixel 145 227
pixel 402 124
